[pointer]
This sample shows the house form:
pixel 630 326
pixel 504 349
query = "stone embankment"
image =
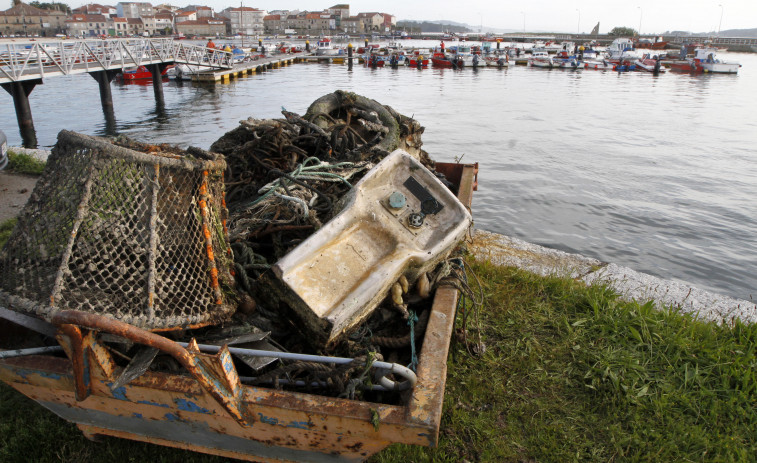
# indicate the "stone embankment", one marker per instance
pixel 630 284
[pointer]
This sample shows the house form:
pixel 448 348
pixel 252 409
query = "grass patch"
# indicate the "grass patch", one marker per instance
pixel 6 228
pixel 569 373
pixel 573 373
pixel 20 163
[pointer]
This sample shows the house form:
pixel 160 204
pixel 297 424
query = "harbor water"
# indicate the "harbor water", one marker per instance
pixel 656 173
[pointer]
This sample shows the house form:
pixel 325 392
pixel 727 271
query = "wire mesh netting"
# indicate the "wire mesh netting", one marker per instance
pixel 135 232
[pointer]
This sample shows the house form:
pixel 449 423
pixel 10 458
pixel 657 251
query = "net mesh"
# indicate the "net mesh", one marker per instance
pixel 140 237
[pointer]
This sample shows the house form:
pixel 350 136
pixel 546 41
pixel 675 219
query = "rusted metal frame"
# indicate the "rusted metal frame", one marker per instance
pixel 77 355
pixel 216 374
pixel 202 203
pixel 425 405
pixel 468 184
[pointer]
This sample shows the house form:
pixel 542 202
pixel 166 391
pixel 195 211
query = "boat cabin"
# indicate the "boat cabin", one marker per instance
pixel 707 55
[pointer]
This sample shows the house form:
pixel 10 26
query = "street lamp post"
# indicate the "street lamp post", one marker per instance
pixel 641 12
pixel 579 21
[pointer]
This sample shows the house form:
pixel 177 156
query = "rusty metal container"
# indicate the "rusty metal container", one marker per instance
pixel 208 408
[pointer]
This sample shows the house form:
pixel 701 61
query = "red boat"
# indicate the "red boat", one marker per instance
pixel 138 73
pixel 441 60
pixel 412 61
pixel 657 44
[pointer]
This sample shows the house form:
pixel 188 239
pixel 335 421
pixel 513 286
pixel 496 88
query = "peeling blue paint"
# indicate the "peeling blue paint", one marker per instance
pixel 172 417
pixel 190 406
pixel 24 372
pixel 119 393
pixel 137 415
pixel 292 424
pixel 155 404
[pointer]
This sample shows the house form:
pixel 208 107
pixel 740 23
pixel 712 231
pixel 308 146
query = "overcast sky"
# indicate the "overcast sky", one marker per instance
pixel 539 15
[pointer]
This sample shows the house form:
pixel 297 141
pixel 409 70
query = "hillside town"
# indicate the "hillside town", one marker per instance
pixel 129 19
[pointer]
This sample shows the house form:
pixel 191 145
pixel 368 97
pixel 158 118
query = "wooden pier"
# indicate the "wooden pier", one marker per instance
pixel 249 67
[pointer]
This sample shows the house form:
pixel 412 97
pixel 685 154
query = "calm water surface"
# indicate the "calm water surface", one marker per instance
pixel 655 173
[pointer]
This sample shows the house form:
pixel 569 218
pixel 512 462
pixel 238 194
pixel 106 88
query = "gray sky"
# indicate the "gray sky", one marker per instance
pixel 540 15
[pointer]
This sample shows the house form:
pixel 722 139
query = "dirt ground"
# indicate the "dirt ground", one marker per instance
pixel 14 192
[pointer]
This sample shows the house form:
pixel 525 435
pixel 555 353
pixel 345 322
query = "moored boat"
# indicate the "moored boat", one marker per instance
pixel 599 65
pixel 650 64
pixel 326 48
pixel 139 73
pixel 707 59
pixel 541 62
pixel 621 49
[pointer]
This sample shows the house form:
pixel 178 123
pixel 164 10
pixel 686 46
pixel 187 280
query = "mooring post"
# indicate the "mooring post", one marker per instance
pixel 307 46
pixel 20 92
pixel 366 44
pixel 349 55
pixel 157 81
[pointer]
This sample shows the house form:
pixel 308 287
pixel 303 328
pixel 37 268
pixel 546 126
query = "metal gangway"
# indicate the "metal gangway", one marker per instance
pixel 22 61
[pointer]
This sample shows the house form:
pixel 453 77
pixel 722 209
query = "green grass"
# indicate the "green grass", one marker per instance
pixel 6 228
pixel 24 164
pixel 573 373
pixel 568 373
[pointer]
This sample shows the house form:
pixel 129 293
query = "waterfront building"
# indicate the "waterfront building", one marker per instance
pixel 87 25
pixel 25 20
pixel 205 27
pixel 246 20
pixel 134 9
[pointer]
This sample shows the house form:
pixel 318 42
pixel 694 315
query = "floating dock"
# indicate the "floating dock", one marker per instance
pixel 249 67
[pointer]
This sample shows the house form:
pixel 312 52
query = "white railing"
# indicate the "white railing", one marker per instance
pixel 37 60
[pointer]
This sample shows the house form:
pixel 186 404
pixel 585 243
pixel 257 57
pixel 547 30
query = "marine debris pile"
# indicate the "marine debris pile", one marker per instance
pixel 285 180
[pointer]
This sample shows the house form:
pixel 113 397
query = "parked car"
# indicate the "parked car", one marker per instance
pixel 3 150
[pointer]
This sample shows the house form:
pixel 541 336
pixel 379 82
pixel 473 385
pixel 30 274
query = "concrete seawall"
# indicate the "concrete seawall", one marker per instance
pixel 630 284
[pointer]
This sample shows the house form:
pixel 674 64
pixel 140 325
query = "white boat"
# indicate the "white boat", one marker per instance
pixel 326 48
pixel 541 62
pixel 599 65
pixel 707 59
pixel 464 58
pixel 568 63
pixel 182 72
pixel 650 64
pixel 497 61
pixel 539 52
pixel 622 49
pixel 552 47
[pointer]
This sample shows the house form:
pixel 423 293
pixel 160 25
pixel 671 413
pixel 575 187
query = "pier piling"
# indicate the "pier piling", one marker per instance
pixel 103 79
pixel 20 92
pixel 157 81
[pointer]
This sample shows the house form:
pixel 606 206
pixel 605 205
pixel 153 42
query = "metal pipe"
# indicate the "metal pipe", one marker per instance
pixel 384 367
pixel 5 354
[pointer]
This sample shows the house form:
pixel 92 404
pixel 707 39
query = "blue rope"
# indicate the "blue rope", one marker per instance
pixel 413 357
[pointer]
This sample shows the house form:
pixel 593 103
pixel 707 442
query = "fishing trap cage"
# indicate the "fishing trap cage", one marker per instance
pixel 137 236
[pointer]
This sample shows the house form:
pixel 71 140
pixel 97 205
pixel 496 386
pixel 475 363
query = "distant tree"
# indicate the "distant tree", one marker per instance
pixel 51 6
pixel 624 31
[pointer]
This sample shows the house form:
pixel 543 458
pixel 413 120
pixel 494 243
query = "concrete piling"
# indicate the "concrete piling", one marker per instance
pixel 20 92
